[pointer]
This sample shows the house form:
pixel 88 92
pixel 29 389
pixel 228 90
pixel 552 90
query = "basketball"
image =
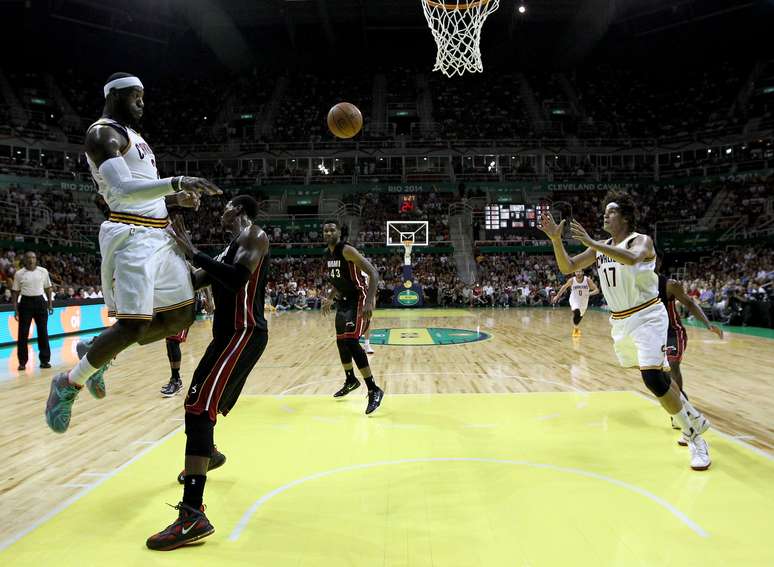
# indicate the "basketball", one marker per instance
pixel 345 120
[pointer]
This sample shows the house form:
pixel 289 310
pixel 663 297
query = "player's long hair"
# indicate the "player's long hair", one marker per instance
pixel 625 204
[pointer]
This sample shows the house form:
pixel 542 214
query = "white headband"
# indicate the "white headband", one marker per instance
pixel 122 83
pixel 613 204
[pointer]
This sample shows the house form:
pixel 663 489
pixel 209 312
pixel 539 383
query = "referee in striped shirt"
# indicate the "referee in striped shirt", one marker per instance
pixel 32 300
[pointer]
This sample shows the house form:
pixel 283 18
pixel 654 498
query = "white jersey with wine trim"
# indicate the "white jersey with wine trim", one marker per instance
pixel 626 287
pixel 141 162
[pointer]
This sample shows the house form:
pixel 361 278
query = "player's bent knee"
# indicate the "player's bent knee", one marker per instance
pixel 657 381
pixel 133 329
pixel 345 354
pixel 576 316
pixel 178 319
pixel 358 353
pixel 199 436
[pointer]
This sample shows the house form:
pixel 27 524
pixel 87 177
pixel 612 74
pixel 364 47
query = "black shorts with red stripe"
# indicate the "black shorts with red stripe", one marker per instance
pixel 677 341
pixel 350 323
pixel 223 370
pixel 180 337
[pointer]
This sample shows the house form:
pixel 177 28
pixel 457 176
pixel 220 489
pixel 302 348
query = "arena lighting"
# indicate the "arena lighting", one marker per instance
pixel 522 9
pixel 728 150
pixel 709 150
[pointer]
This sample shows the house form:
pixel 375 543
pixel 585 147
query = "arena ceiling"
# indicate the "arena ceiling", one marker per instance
pixel 241 32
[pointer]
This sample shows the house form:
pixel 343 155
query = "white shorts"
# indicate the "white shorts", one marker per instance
pixel 640 339
pixel 143 272
pixel 579 304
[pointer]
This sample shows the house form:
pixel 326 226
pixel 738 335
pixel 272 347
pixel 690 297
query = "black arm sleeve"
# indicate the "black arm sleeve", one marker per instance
pixel 231 277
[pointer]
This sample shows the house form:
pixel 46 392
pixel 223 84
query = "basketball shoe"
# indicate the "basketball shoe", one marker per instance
pixel 59 406
pixel 576 333
pixel 700 459
pixel 217 460
pixel 347 388
pixel 374 399
pixel 368 348
pixel 171 388
pixel 191 525
pixel 96 382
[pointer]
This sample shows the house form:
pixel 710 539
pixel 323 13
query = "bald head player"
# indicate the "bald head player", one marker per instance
pixel 239 336
pixel 145 279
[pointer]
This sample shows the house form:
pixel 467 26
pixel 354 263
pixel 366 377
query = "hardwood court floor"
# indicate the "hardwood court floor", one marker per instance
pixel 620 435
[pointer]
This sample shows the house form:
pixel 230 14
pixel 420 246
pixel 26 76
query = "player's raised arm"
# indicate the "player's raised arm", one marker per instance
pixel 675 289
pixel 104 145
pixel 561 291
pixel 641 250
pixel 566 264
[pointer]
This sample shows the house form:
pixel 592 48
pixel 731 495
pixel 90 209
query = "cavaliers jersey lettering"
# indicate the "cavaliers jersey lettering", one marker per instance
pixel 243 309
pixel 344 276
pixel 625 287
pixel 141 162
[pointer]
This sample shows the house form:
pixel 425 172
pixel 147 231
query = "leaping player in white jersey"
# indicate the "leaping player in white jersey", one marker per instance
pixel 626 266
pixel 581 288
pixel 145 279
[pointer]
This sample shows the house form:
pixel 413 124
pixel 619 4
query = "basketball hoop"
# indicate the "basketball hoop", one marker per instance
pixel 456 27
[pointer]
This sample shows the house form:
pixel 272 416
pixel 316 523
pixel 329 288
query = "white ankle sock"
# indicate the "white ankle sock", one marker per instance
pixel 82 371
pixel 367 343
pixel 692 411
pixel 684 421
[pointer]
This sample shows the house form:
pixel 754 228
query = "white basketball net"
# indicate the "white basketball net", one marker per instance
pixel 456 27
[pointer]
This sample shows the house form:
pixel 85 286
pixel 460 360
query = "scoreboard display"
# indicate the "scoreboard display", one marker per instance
pixel 513 219
pixel 407 203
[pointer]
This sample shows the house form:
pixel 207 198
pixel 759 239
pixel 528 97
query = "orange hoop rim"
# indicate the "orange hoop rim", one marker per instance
pixel 453 7
pixel 408 243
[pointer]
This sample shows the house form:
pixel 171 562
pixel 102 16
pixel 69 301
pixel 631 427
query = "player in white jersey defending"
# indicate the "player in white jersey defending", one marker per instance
pixel 145 279
pixel 626 266
pixel 581 288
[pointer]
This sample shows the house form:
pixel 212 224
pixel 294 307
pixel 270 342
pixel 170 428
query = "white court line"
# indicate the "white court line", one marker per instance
pixel 550 416
pixel 514 376
pixel 717 431
pixel 75 497
pixel 245 519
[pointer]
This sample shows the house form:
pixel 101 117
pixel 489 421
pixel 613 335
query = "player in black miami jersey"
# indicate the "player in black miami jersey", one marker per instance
pixel 354 282
pixel 239 336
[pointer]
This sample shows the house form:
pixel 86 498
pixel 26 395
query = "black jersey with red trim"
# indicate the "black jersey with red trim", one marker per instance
pixel 344 275
pixel 243 309
pixel 674 317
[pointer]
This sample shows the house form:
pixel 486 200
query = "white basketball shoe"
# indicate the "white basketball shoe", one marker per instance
pixel 700 458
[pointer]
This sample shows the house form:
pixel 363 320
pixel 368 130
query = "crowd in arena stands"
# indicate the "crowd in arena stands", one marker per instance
pixel 51 214
pixel 735 287
pixel 73 276
pixel 596 100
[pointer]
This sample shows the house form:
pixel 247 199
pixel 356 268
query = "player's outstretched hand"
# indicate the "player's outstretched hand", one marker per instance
pixel 180 234
pixel 579 233
pixel 717 330
pixel 548 225
pixel 199 185
pixel 188 199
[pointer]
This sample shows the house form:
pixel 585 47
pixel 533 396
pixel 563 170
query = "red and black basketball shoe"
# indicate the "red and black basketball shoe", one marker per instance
pixel 191 525
pixel 217 460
